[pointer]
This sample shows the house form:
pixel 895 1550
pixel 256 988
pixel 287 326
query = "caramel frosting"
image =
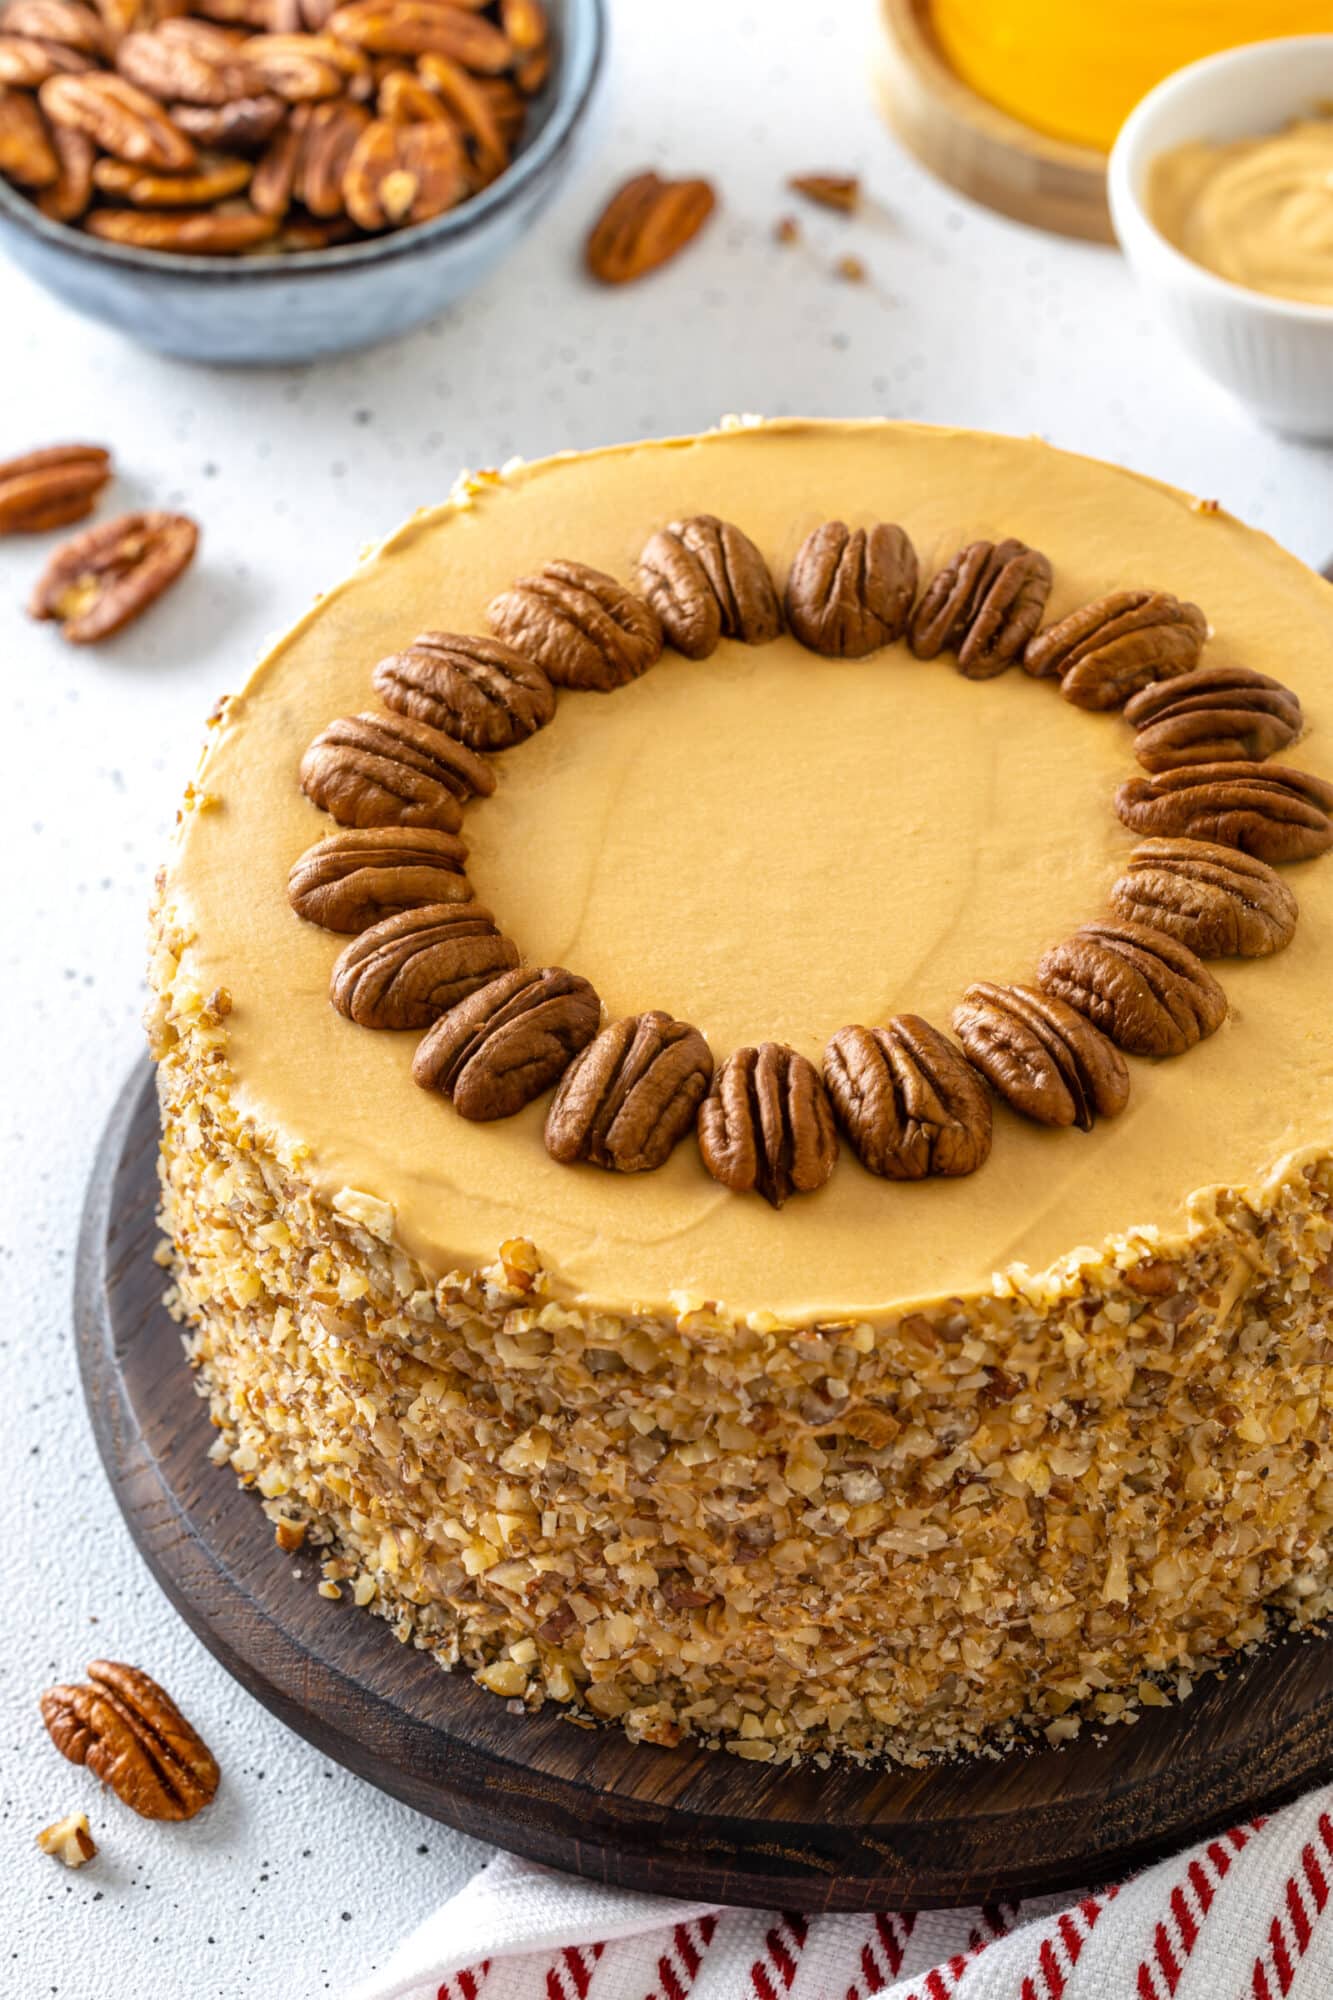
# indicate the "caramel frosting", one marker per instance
pixel 1256 211
pixel 770 845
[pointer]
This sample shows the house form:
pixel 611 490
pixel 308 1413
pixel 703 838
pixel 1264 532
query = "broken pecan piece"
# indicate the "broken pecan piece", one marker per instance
pixel 1046 1059
pixel 406 971
pixel 646 223
pixel 1147 991
pixel 984 605
pixel 27 156
pixel 398 174
pixel 1107 650
pixel 908 1101
pixel 102 579
pixel 767 1125
pixel 132 1736
pixel 838 191
pixel 1272 811
pixel 51 488
pixel 69 1840
pixel 479 690
pixel 387 770
pixel 707 581
pixel 631 1095
pixel 353 879
pixel 509 1041
pixel 1218 901
pixel 585 629
pixel 850 593
pixel 1214 715
pixel 120 118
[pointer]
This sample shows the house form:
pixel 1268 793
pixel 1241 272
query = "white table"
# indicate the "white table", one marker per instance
pixel 300 1875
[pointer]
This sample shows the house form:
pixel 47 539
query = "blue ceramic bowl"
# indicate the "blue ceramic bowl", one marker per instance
pixel 302 304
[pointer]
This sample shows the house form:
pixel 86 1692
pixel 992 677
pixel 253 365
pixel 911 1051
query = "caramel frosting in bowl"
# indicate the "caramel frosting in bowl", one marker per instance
pixel 1257 211
pixel 770 845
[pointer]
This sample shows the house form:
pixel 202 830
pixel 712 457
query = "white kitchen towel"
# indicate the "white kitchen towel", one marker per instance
pixel 1242 1917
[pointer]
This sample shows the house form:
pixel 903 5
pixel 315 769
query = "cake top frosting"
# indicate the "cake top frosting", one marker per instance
pixel 770 845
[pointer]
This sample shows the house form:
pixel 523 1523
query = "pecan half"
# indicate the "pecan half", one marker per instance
pixel 405 100
pixel 416 27
pixel 479 690
pixel 1046 1059
pixel 27 156
pixel 121 119
pixel 1147 991
pixel 509 1041
pixel 1218 901
pixel 25 64
pixel 1269 810
pixel 984 605
pixel 63 22
pixel 707 581
pixel 215 179
pixel 192 61
pixel 646 223
pixel 272 189
pixel 489 138
pixel 766 1126
pixel 406 971
pixel 908 1102
pixel 102 579
pixel 69 194
pixel 1215 715
pixel 300 68
pixel 329 134
pixel 524 25
pixel 1107 650
pixel 850 593
pixel 190 232
pixel 51 488
pixel 585 629
pixel 242 126
pixel 132 1736
pixel 631 1095
pixel 356 878
pixel 387 770
pixel 398 174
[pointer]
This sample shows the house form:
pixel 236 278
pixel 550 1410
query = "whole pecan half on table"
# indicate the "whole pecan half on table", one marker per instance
pixel 387 770
pixel 1151 994
pixel 50 488
pixel 1218 901
pixel 583 628
pixel 478 690
pixel 1214 715
pixel 850 592
pixel 509 1041
pixel 1272 811
pixel 1107 650
pixel 707 581
pixel 909 1103
pixel 646 222
pixel 133 1737
pixel 407 970
pixel 357 878
pixel 631 1095
pixel 102 579
pixel 984 605
pixel 1046 1059
pixel 767 1126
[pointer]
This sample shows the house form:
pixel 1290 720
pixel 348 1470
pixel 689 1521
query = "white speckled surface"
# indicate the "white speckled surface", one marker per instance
pixel 301 1876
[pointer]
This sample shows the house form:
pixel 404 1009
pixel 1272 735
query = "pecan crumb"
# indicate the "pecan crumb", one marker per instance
pixel 851 270
pixel 837 191
pixel 787 229
pixel 68 1840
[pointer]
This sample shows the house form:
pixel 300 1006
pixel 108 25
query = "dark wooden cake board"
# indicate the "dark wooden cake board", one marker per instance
pixel 685 1822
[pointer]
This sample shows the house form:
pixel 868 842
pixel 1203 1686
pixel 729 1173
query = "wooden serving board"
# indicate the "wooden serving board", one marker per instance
pixel 686 1822
pixel 976 147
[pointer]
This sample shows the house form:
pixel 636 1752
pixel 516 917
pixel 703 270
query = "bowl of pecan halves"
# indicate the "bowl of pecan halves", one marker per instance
pixel 272 180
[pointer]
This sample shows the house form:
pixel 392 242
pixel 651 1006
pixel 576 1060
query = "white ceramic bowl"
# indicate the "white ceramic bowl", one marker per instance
pixel 1275 355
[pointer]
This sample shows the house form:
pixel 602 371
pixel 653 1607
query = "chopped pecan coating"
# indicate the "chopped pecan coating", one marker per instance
pixel 509 1041
pixel 1218 901
pixel 356 878
pixel 1147 991
pixel 646 223
pixel 50 488
pixel 123 120
pixel 580 625
pixel 849 593
pixel 387 770
pixel 1107 650
pixel 1046 1059
pixel 1272 811
pixel 909 1103
pixel 767 1125
pixel 476 689
pixel 102 579
pixel 406 971
pixel 133 1737
pixel 707 581
pixel 1214 715
pixel 631 1095
pixel 984 605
